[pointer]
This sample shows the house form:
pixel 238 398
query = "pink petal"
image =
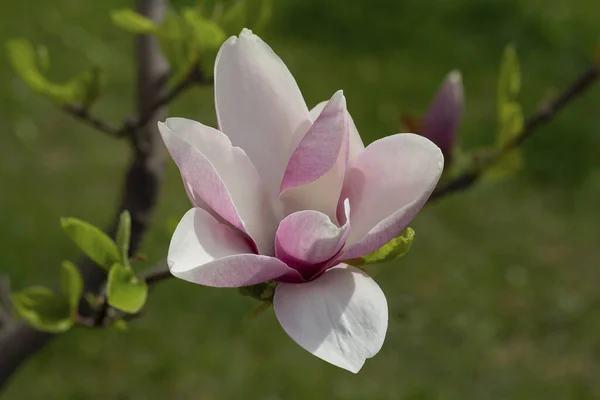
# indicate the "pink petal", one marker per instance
pixel 259 105
pixel 315 173
pixel 306 240
pixel 210 253
pixel 340 317
pixel 356 143
pixel 387 185
pixel 221 177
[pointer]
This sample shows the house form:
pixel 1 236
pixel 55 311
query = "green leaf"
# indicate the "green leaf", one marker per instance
pixel 27 62
pixel 92 241
pixel 395 248
pixel 133 22
pixel 509 81
pixel 71 284
pixel 44 310
pixel 124 236
pixel 510 117
pixel 510 114
pixel 125 291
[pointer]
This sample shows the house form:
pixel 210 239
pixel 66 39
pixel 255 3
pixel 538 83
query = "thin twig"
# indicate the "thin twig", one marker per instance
pixel 544 115
pixel 157 274
pixel 134 123
pixel 83 114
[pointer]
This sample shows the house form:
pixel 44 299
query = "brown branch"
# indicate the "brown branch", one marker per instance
pixel 157 274
pixel 137 121
pixel 140 192
pixel 544 115
pixel 83 114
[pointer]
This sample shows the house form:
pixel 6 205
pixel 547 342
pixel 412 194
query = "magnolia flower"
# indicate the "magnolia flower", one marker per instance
pixel 287 194
pixel 442 119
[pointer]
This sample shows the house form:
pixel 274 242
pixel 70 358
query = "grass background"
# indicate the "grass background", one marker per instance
pixel 499 297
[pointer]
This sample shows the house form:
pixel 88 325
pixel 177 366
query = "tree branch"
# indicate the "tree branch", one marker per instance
pixel 141 186
pixel 137 121
pixel 544 115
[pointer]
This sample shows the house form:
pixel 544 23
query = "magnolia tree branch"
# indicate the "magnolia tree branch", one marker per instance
pixel 137 121
pixel 141 186
pixel 544 115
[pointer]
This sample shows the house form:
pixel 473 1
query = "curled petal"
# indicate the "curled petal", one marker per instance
pixel 259 105
pixel 356 143
pixel 387 185
pixel 340 317
pixel 307 239
pixel 210 253
pixel 221 177
pixel 315 173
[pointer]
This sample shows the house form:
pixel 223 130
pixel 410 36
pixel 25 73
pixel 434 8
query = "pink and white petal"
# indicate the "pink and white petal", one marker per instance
pixel 221 176
pixel 320 147
pixel 307 239
pixel 210 253
pixel 315 173
pixel 356 143
pixel 340 317
pixel 259 105
pixel 387 185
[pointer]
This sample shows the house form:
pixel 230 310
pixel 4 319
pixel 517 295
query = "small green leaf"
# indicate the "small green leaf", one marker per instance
pixel 92 241
pixel 44 310
pixel 133 22
pixel 395 248
pixel 125 291
pixel 71 283
pixel 124 236
pixel 510 117
pixel 509 81
pixel 27 63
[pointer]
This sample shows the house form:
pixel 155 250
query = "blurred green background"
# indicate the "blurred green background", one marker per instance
pixel 499 297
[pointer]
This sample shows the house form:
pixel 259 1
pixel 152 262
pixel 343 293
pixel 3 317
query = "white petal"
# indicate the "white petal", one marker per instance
pixel 356 143
pixel 259 105
pixel 210 253
pixel 340 317
pixel 387 185
pixel 221 176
